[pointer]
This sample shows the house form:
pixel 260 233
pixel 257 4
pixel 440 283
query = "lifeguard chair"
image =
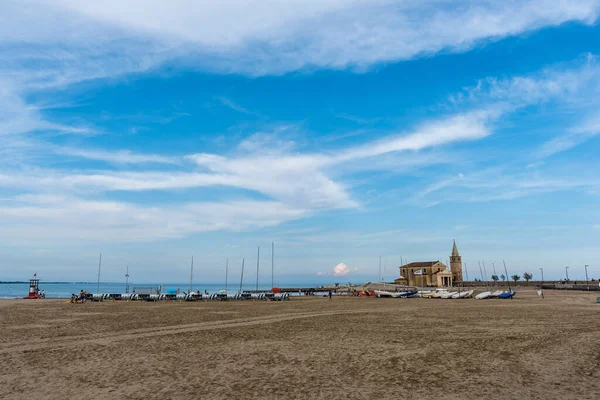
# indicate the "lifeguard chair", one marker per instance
pixel 33 289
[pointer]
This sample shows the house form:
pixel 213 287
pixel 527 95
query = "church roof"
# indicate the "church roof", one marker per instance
pixel 443 272
pixel 455 250
pixel 420 264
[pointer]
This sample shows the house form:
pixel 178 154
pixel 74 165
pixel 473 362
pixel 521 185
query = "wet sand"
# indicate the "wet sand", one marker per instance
pixel 353 348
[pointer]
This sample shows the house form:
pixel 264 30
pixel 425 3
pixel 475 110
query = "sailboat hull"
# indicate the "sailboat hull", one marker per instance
pixel 507 295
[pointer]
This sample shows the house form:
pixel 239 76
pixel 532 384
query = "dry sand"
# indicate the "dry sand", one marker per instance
pixel 361 348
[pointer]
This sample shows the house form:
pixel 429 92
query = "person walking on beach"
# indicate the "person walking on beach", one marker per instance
pixel 330 295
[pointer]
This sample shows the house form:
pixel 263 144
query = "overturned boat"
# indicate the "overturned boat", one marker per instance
pixel 483 295
pixel 507 295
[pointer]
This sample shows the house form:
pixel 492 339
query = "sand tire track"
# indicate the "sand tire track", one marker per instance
pixel 109 338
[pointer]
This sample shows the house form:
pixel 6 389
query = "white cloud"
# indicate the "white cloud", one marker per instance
pixel 19 117
pixel 274 143
pixel 295 185
pixel 455 128
pixel 275 36
pixel 54 44
pixel 339 270
pixel 53 218
pixel 567 82
pixel 117 157
pixel 97 39
pixel 303 182
pixel 300 180
pixel 575 86
pixel 574 136
pixel 236 107
pixel 504 183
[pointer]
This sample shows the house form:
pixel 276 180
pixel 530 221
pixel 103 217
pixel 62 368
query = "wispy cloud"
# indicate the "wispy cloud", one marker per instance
pixel 333 33
pixel 53 218
pixel 574 85
pixel 567 82
pixel 358 120
pixel 303 183
pixel 19 117
pixel 573 137
pixel 294 184
pixel 48 46
pixel 117 157
pixel 456 128
pixel 70 41
pixel 504 183
pixel 236 107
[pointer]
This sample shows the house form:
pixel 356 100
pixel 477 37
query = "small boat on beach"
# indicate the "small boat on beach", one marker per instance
pixel 497 293
pixel 507 295
pixel 406 295
pixel 448 295
pixel 463 295
pixel 483 295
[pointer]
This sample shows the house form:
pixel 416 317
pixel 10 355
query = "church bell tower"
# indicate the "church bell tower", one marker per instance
pixel 456 264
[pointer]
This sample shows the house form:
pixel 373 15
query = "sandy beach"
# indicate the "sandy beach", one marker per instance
pixel 349 347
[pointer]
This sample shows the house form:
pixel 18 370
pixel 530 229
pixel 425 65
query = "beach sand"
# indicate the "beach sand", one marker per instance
pixel 350 347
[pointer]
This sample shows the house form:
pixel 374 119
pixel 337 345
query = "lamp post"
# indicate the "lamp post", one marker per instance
pixel 567 271
pixel 542 271
pixel 586 275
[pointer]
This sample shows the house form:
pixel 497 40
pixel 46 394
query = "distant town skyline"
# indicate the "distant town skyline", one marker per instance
pixel 341 131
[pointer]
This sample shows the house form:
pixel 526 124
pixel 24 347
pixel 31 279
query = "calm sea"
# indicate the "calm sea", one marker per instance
pixel 64 290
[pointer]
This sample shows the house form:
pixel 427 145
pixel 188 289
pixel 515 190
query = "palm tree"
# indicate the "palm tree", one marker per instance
pixel 503 277
pixel 495 279
pixel 527 276
pixel 515 278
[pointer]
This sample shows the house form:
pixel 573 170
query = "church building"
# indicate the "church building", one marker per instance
pixel 432 273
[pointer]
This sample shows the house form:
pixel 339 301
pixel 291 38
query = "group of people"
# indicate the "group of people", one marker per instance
pixel 40 293
pixel 79 298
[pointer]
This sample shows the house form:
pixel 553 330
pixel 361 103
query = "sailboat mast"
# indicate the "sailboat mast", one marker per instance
pixel 507 278
pixel 384 268
pixel 379 276
pixel 480 271
pixel 127 280
pixel 485 271
pixel 257 266
pixel 272 265
pixel 226 272
pixel 99 268
pixel 191 274
pixel 242 277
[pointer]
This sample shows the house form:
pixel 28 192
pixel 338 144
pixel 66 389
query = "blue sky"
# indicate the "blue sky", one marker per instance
pixel 152 131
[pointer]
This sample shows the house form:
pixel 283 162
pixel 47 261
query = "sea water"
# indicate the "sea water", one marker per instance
pixel 61 290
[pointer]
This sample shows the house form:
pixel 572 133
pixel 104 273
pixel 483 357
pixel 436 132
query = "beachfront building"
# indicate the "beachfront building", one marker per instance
pixel 423 273
pixel 432 273
pixel 456 264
